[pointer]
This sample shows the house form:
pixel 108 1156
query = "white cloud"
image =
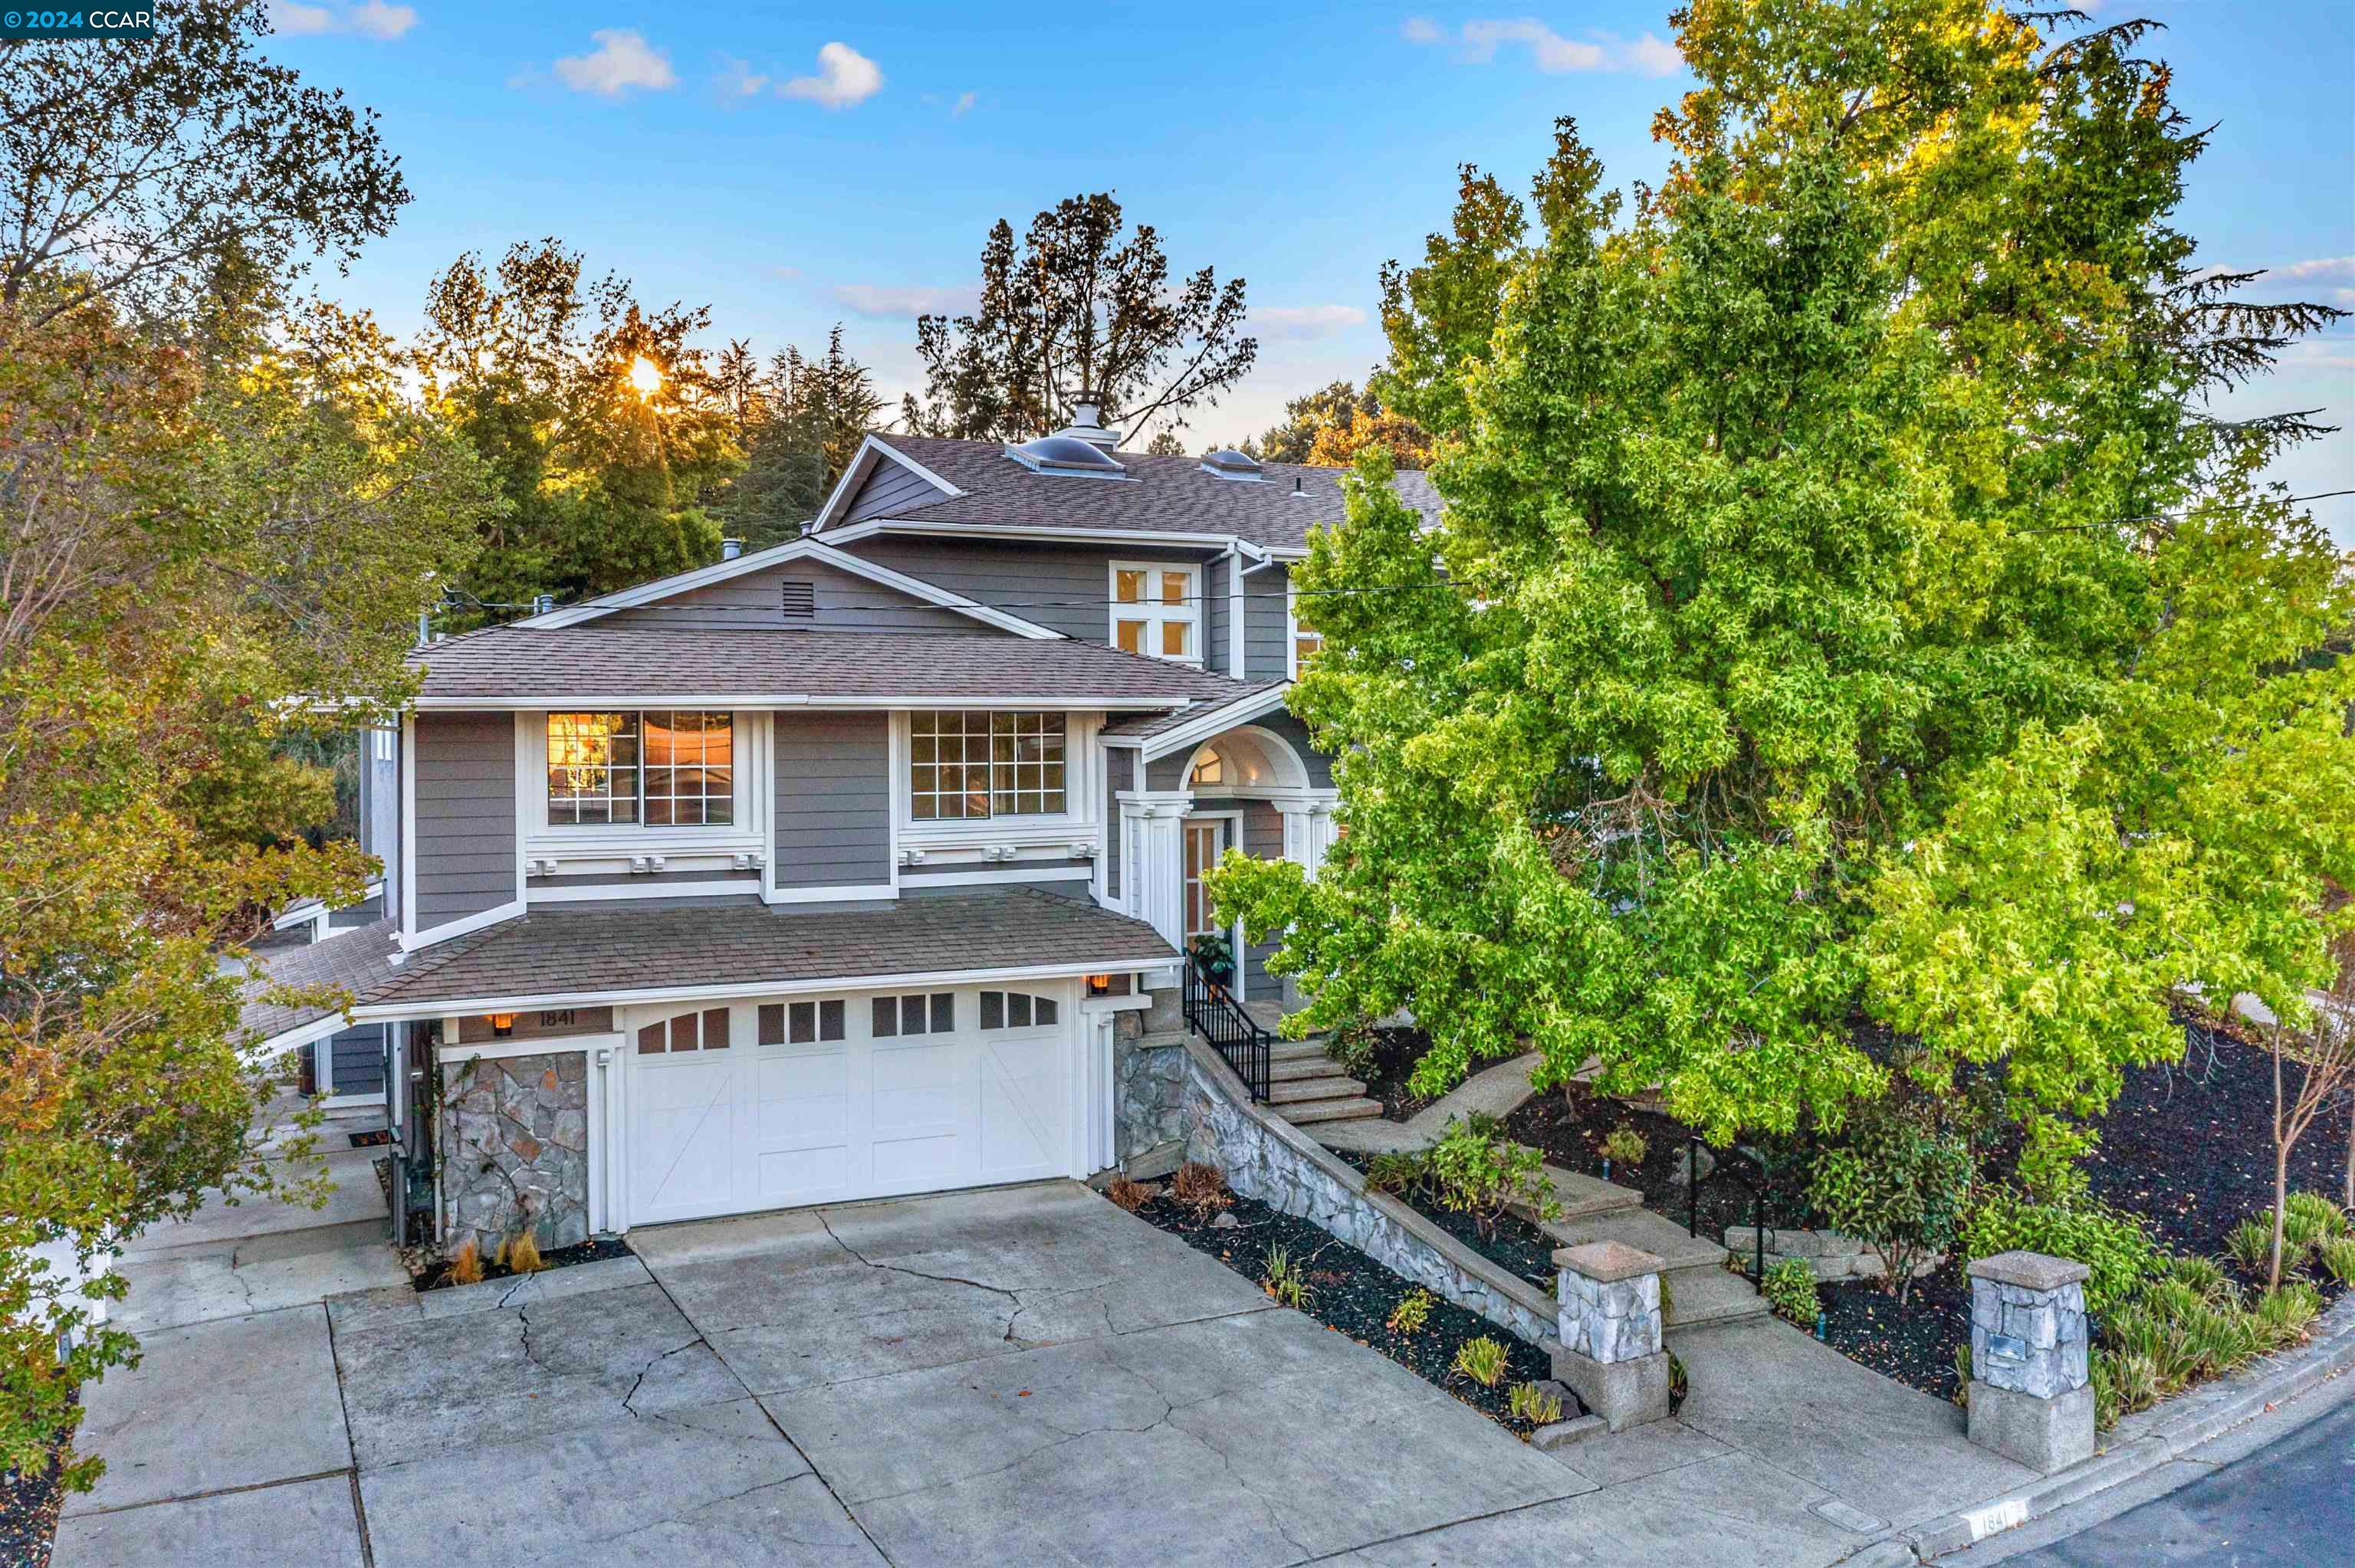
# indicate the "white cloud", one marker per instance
pixel 2321 270
pixel 623 60
pixel 909 302
pixel 736 80
pixel 1549 50
pixel 370 18
pixel 964 105
pixel 845 77
pixel 1305 321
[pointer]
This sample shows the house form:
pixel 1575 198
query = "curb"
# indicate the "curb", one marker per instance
pixel 2157 1436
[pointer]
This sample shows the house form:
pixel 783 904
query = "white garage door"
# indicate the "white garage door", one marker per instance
pixel 769 1105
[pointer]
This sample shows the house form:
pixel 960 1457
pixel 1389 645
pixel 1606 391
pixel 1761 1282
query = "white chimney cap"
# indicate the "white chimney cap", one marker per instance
pixel 1087 415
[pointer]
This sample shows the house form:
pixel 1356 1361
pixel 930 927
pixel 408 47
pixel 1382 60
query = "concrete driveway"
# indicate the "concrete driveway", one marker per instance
pixel 1024 1376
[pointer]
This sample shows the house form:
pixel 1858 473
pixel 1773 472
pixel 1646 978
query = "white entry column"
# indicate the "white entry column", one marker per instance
pixel 1307 827
pixel 1153 860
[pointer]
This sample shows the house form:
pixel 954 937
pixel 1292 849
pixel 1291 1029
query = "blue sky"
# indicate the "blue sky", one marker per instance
pixel 793 166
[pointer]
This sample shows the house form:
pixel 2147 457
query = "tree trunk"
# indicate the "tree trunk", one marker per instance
pixel 2281 1165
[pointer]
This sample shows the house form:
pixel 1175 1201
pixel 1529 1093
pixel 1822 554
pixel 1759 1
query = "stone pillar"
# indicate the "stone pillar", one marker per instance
pixel 1610 1324
pixel 2031 1397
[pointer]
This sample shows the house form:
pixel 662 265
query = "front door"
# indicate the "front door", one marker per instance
pixel 1206 840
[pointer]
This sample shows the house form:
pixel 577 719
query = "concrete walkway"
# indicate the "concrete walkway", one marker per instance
pixel 1020 1375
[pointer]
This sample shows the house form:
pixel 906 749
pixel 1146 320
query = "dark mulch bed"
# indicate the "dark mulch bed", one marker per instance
pixel 29 1517
pixel 1914 1344
pixel 1394 1053
pixel 1515 1246
pixel 1569 1128
pixel 437 1275
pixel 1353 1295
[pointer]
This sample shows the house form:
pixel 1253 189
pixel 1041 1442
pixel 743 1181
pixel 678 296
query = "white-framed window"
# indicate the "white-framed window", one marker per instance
pixel 1017 1010
pixel 1157 610
pixel 916 1013
pixel 817 1021
pixel 974 767
pixel 659 768
pixel 1300 644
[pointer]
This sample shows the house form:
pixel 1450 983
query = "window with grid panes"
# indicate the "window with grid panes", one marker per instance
pixel 1154 610
pixel 662 767
pixel 972 767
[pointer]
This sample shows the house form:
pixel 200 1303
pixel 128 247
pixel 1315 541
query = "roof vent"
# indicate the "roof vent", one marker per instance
pixel 730 549
pixel 800 601
pixel 1229 463
pixel 1087 422
pixel 1298 493
pixel 1063 453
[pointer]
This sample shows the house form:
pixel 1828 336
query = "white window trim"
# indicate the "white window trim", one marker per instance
pixel 1077 822
pixel 543 840
pixel 1154 612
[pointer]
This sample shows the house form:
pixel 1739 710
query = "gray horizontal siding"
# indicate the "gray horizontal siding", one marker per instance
pixel 1120 774
pixel 1064 587
pixel 843 601
pixel 1267 623
pixel 832 799
pixel 359 1060
pixel 465 815
pixel 892 487
pixel 1262 840
pixel 1217 652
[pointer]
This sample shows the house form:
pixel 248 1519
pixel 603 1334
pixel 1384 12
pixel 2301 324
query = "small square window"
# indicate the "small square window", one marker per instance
pixel 682 1033
pixel 912 1016
pixel 1046 1010
pixel 887 1017
pixel 1017 1010
pixel 944 1012
pixel 650 1040
pixel 773 1023
pixel 804 1024
pixel 830 1019
pixel 715 1029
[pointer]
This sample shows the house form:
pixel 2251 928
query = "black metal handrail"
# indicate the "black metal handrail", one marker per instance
pixel 1757 1189
pixel 1212 1011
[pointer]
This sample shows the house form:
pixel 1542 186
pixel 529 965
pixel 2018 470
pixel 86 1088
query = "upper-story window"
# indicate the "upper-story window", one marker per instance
pixel 1305 644
pixel 976 765
pixel 1157 610
pixel 662 767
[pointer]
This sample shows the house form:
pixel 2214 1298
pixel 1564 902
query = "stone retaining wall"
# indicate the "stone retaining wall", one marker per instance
pixel 1148 1092
pixel 514 1142
pixel 1832 1256
pixel 1268 1159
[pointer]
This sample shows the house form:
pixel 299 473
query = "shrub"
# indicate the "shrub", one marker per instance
pixel 1284 1281
pixel 2337 1256
pixel 2110 1242
pixel 1896 1181
pixel 1790 1290
pixel 1395 1172
pixel 2326 1218
pixel 1201 1188
pixel 1481 1360
pixel 1535 1405
pixel 2283 1314
pixel 2250 1245
pixel 2203 1276
pixel 2122 1383
pixel 1414 1310
pixel 1624 1146
pixel 1477 1171
pixel 1353 1049
pixel 520 1253
pixel 1130 1195
pixel 1679 1385
pixel 466 1267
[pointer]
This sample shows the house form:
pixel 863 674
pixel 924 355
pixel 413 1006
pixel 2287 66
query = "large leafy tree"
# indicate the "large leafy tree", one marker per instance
pixel 220 512
pixel 608 481
pixel 1330 426
pixel 1843 611
pixel 1081 303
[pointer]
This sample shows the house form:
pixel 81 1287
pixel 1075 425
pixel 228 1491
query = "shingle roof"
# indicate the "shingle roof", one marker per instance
pixel 591 951
pixel 598 659
pixel 1170 494
pixel 359 961
pixel 1145 727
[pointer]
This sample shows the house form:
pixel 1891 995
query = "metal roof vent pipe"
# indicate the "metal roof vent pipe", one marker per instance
pixel 1087 422
pixel 543 603
pixel 730 549
pixel 1298 493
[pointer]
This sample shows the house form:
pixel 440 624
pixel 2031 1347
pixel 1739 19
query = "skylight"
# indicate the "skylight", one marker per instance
pixel 1064 454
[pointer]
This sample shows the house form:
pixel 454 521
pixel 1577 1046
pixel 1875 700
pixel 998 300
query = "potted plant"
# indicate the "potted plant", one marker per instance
pixel 1214 959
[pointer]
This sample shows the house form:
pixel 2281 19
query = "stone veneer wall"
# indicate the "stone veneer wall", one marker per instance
pixel 1148 1092
pixel 1268 1159
pixel 514 1142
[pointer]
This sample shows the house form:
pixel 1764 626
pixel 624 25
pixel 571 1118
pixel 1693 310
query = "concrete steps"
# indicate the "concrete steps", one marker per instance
pixel 1309 1112
pixel 1699 1297
pixel 1285 1069
pixel 1324 1086
pixel 1583 1197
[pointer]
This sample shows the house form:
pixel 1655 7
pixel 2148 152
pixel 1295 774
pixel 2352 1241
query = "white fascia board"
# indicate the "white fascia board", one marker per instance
pixel 862 463
pixel 304 910
pixel 1215 721
pixel 758 702
pixel 874 525
pixel 805 548
pixel 455 929
pixel 295 1039
pixel 586 997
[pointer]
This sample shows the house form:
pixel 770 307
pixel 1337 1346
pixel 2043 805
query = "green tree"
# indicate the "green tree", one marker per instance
pixel 801 424
pixel 1842 605
pixel 1304 418
pixel 1077 306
